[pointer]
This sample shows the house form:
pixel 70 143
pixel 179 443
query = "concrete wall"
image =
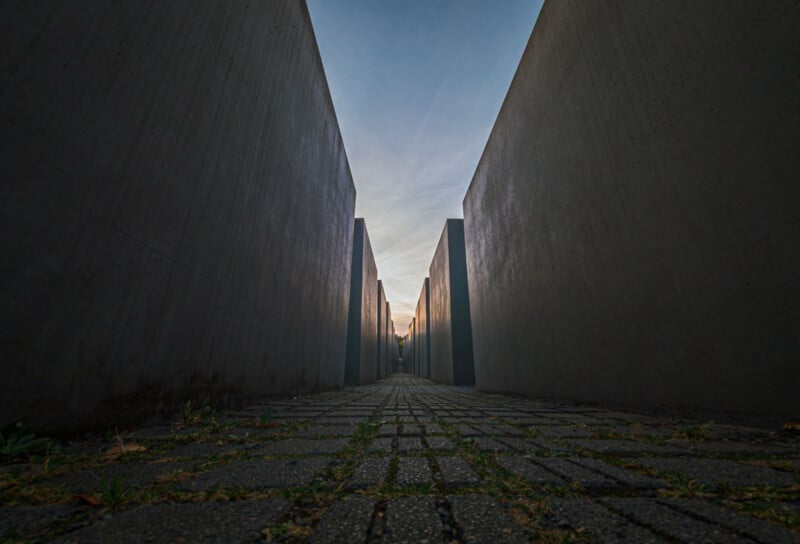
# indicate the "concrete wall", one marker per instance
pixel 387 343
pixel 450 342
pixel 412 364
pixel 632 227
pixel 380 333
pixel 362 338
pixel 423 332
pixel 419 340
pixel 176 206
pixel 394 359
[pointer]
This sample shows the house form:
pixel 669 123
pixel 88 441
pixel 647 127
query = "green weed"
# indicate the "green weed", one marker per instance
pixel 112 491
pixel 17 442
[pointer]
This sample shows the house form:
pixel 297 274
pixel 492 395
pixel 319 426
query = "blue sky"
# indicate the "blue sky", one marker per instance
pixel 417 85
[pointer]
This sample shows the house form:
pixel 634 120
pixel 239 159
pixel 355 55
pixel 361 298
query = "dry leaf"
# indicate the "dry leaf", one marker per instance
pixel 124 448
pixel 92 500
pixel 792 426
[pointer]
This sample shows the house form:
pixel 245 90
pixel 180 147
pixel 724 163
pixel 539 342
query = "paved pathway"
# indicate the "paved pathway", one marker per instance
pixel 409 461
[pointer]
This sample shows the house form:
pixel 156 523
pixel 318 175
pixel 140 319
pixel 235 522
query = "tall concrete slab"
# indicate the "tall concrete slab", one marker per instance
pixel 412 364
pixel 176 208
pixel 450 343
pixel 380 333
pixel 631 228
pixel 387 340
pixel 362 337
pixel 419 339
pixel 395 352
pixel 424 332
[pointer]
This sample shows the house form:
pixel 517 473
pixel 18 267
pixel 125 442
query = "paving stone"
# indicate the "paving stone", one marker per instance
pixel 733 447
pixel 672 523
pixel 206 450
pixel 490 444
pixel 498 430
pixel 572 472
pixel 757 529
pixel 158 433
pixel 259 474
pixel 411 429
pixel 413 471
pixel 405 445
pixel 210 522
pixel 481 519
pixel 351 413
pixel 522 467
pixel 247 434
pixel 33 522
pixel 626 477
pixel 489 421
pixel 456 471
pixel 318 431
pixel 132 475
pixel 301 446
pixel 370 472
pixel 519 444
pixel 347 521
pixel 382 445
pixel 387 430
pixel 331 420
pixel 577 419
pixel 433 428
pixel 720 471
pixel 535 422
pixel 466 430
pixel 566 432
pixel 412 520
pixel 603 526
pixel 627 447
pixel 439 443
pixel 546 445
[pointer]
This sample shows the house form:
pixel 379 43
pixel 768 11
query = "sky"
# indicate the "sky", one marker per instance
pixel 417 86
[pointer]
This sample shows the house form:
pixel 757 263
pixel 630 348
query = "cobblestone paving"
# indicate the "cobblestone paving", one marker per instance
pixel 406 460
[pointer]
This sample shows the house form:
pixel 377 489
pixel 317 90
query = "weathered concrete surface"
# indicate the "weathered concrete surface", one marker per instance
pixel 423 353
pixel 411 366
pixel 394 359
pixel 468 468
pixel 362 338
pixel 450 343
pixel 176 206
pixel 631 228
pixel 380 333
pixel 386 369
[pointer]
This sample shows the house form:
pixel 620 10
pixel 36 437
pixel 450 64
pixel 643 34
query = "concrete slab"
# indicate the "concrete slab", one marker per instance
pixel 214 522
pixel 482 519
pixel 166 248
pixel 362 321
pixel 608 260
pixel 451 329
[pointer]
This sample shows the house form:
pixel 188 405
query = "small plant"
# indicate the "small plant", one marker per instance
pixel 698 431
pixel 17 442
pixel 112 491
pixel 188 412
pixel 365 432
pixel 265 419
pixel 286 530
